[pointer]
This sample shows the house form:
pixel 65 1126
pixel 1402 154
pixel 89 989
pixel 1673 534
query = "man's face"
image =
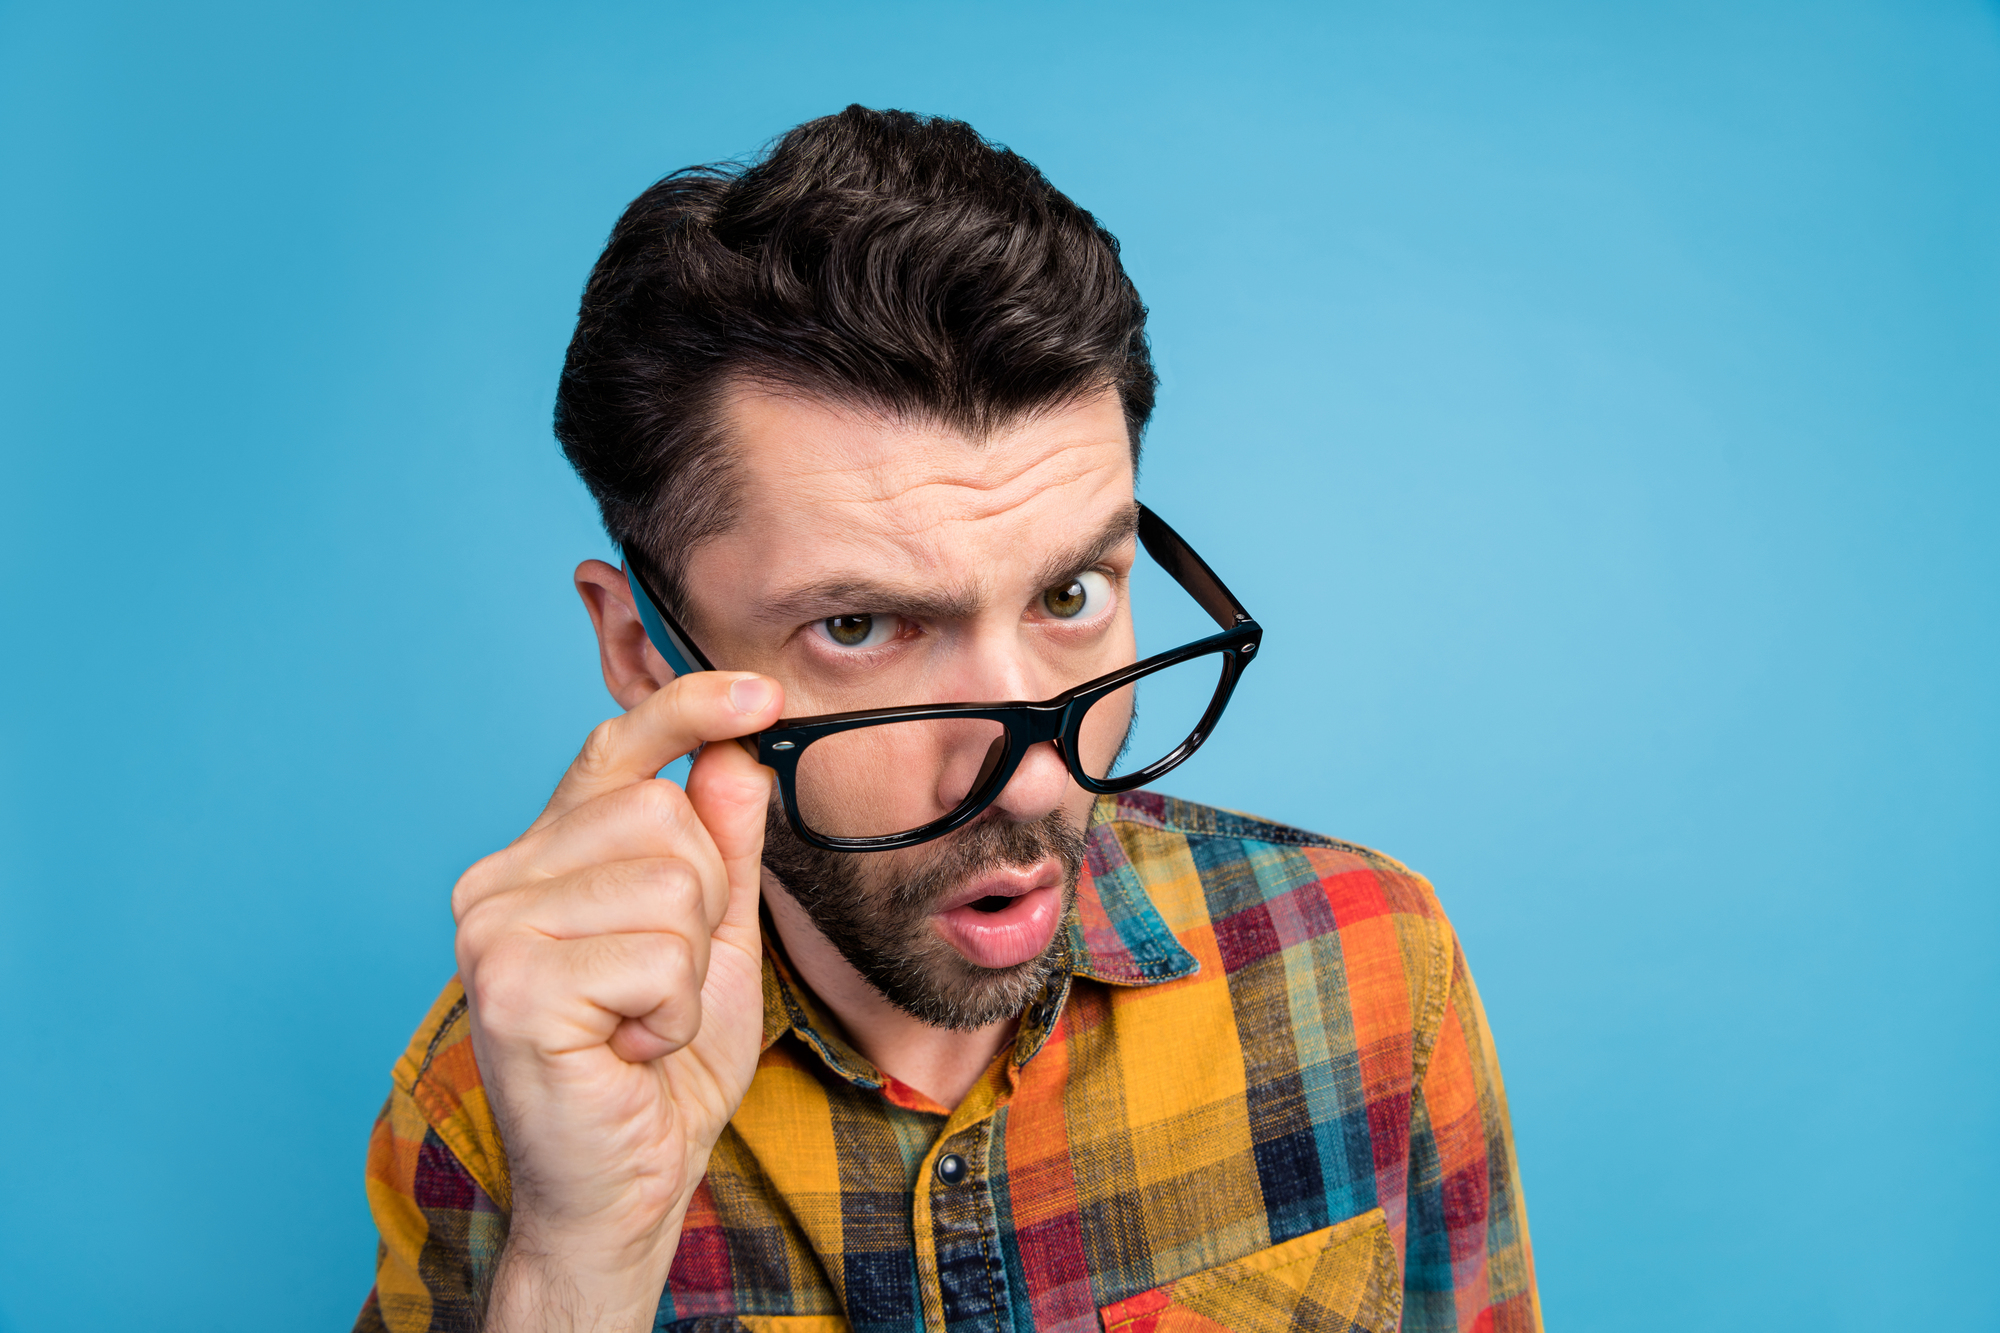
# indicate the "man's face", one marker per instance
pixel 876 562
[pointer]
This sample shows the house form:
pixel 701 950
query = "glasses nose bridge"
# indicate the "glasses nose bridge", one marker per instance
pixel 1044 722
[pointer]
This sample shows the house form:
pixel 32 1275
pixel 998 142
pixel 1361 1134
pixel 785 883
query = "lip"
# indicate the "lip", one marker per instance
pixel 1006 882
pixel 1015 933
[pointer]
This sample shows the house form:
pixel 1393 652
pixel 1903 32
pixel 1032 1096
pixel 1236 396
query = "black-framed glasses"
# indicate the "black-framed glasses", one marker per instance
pixel 882 778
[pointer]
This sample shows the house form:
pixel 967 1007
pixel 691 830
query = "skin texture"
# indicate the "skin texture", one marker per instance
pixel 611 954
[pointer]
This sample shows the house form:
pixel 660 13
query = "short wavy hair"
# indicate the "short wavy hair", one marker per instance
pixel 879 259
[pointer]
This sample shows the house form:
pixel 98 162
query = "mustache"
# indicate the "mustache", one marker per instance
pixel 986 844
pixel 875 908
pixel 814 875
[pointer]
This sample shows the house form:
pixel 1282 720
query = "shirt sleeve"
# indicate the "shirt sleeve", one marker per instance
pixel 1468 1265
pixel 434 1171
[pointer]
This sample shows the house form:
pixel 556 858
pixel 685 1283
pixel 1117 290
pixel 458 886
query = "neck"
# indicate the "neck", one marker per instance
pixel 941 1063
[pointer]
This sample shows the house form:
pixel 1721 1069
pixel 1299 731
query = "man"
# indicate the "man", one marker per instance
pixel 958 1027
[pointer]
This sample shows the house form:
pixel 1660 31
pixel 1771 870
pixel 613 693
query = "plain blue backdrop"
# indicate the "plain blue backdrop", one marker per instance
pixel 1600 405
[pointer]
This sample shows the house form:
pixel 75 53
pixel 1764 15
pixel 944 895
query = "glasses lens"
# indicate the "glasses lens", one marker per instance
pixel 1136 727
pixel 874 781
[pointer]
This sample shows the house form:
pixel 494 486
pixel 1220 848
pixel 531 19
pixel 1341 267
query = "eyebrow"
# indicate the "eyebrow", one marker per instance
pixel 1062 565
pixel 848 593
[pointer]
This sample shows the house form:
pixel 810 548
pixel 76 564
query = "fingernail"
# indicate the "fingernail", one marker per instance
pixel 750 695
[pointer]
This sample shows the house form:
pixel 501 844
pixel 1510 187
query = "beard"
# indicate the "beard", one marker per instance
pixel 876 909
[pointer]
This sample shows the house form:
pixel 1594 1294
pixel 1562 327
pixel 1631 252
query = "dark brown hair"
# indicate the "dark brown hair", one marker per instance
pixel 874 258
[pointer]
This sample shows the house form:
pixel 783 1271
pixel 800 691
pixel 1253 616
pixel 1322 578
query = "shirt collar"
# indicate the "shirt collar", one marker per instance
pixel 1114 934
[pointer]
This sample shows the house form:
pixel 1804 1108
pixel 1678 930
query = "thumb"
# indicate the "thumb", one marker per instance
pixel 731 795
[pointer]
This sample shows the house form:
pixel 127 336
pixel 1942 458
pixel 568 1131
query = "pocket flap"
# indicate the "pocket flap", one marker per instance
pixel 1339 1278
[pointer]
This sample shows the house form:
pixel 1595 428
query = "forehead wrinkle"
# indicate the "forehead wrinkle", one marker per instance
pixel 986 494
pixel 851 592
pixel 902 513
pixel 923 527
pixel 923 531
pixel 925 463
pixel 812 434
pixel 910 577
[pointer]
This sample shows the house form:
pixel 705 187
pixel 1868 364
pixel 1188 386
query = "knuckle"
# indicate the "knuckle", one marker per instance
pixel 661 803
pixel 499 988
pixel 670 961
pixel 474 928
pixel 677 1018
pixel 664 799
pixel 600 747
pixel 472 886
pixel 676 883
pixel 677 958
pixel 688 691
pixel 677 1024
pixel 600 957
pixel 653 955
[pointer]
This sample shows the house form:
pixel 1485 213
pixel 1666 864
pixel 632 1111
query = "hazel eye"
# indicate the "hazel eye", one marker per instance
pixel 1079 598
pixel 858 631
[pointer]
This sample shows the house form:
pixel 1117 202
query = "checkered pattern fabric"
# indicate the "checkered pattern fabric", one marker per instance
pixel 1261 1096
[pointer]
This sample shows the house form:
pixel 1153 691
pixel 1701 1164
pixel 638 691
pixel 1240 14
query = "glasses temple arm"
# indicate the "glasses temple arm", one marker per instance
pixel 666 633
pixel 1172 553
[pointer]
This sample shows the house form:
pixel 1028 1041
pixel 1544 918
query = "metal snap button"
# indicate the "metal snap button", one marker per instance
pixel 951 1168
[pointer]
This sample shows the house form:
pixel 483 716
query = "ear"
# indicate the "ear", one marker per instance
pixel 633 668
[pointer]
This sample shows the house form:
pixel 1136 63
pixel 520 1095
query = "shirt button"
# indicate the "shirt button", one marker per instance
pixel 951 1168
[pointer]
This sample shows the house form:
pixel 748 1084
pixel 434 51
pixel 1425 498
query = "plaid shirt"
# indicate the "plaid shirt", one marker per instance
pixel 1260 1096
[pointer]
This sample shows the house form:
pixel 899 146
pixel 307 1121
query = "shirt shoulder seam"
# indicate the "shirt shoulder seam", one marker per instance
pixel 445 1110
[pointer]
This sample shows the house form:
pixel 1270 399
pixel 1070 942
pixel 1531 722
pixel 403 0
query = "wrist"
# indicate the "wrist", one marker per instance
pixel 572 1284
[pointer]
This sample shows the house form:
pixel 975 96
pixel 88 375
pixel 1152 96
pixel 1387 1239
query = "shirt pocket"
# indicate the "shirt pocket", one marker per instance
pixel 1339 1278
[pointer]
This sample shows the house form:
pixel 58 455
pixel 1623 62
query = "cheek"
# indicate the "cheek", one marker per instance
pixel 1105 725
pixel 1151 720
pixel 1104 728
pixel 890 779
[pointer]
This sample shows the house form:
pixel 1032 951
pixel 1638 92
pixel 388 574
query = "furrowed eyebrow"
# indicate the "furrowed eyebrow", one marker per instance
pixel 833 597
pixel 1068 564
pixel 851 595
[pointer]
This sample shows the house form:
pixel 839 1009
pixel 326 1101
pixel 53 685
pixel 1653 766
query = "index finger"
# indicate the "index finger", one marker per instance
pixel 668 723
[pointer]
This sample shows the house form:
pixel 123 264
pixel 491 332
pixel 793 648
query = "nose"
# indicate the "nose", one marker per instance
pixel 1038 785
pixel 997 669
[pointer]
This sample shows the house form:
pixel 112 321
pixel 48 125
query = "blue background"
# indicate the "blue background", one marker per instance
pixel 1599 404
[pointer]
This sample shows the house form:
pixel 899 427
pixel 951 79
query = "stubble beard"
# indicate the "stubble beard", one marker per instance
pixel 876 907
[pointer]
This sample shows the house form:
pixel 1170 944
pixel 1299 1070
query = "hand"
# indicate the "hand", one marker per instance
pixel 612 963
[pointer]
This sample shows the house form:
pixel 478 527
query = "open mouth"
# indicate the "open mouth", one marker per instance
pixel 1009 927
